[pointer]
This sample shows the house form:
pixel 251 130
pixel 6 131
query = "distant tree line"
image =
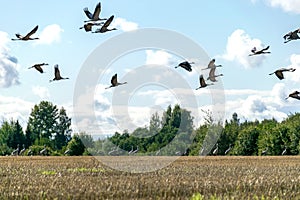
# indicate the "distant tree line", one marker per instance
pixel 172 134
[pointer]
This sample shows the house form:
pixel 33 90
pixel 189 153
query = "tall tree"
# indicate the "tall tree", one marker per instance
pixel 42 121
pixel 63 129
pixel 16 137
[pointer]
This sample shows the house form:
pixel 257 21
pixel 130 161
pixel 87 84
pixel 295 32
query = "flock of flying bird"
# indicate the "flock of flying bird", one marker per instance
pixel 95 20
pixel 92 21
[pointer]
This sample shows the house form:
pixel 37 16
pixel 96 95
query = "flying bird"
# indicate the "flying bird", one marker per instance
pixel 294 95
pixel 185 65
pixel 262 51
pixel 57 76
pixel 212 76
pixel 293 35
pixel 88 26
pixel 212 64
pixel 38 67
pixel 27 37
pixel 279 72
pixel 95 15
pixel 104 27
pixel 202 82
pixel 114 82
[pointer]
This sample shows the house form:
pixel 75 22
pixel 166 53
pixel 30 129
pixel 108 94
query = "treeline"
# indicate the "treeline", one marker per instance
pixel 49 128
pixel 48 132
pixel 174 134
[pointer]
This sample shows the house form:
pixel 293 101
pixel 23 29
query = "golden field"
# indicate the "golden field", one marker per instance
pixel 220 177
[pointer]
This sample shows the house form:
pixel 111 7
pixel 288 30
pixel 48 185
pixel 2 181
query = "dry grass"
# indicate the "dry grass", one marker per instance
pixel 87 178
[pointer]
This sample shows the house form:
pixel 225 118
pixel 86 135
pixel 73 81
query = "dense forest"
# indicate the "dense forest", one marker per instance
pixel 48 132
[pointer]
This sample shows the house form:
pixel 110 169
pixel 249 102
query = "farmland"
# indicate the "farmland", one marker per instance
pixel 219 177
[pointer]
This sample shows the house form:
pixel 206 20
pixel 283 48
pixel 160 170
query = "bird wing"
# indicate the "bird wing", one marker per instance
pixel 31 32
pixel 97 11
pixel 211 64
pixel 88 13
pixel 186 65
pixel 265 48
pixel 18 35
pixel 114 80
pixel 38 67
pixel 108 22
pixel 279 74
pixel 56 72
pixel 212 75
pixel 212 72
pixel 202 81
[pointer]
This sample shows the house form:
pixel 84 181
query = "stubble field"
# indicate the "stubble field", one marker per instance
pixel 186 178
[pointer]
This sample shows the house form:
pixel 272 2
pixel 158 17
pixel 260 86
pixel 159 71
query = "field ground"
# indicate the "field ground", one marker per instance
pixel 204 177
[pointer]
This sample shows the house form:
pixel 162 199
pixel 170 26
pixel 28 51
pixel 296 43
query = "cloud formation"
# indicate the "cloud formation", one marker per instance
pixel 9 74
pixel 292 6
pixel 239 45
pixel 124 25
pixel 295 63
pixel 159 57
pixel 50 34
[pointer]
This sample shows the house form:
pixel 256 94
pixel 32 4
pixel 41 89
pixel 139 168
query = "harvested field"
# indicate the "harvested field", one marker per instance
pixel 204 177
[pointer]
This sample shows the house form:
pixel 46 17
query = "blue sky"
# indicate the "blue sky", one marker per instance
pixel 226 30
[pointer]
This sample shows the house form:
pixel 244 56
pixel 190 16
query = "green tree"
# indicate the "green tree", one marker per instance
pixel 63 130
pixel 5 131
pixel 42 121
pixel 75 146
pixel 16 136
pixel 246 143
pixel 86 139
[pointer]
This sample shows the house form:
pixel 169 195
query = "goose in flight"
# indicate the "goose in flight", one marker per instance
pixel 212 76
pixel 293 35
pixel 95 15
pixel 105 28
pixel 202 82
pixel 38 67
pixel 88 26
pixel 185 65
pixel 57 76
pixel 294 94
pixel 212 64
pixel 114 82
pixel 26 37
pixel 262 51
pixel 279 72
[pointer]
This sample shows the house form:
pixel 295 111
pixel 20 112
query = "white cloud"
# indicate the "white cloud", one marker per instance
pixel 239 47
pixel 292 6
pixel 295 63
pixel 159 57
pixel 41 92
pixel 15 108
pixel 9 74
pixel 124 25
pixel 50 34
